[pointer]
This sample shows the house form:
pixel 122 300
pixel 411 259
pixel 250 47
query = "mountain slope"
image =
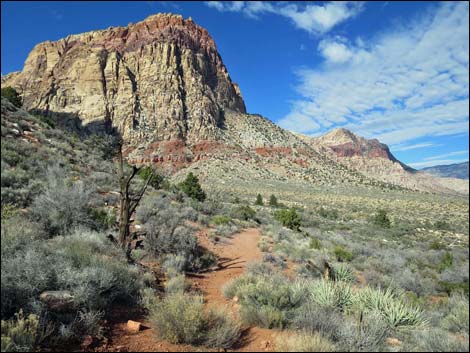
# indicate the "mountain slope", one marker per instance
pixel 163 85
pixel 457 170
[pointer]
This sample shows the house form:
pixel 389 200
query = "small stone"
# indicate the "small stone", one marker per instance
pixel 133 326
pixel 392 341
pixel 89 342
pixel 235 299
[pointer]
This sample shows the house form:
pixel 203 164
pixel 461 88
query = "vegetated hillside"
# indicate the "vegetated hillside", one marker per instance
pixel 457 170
pixel 163 85
pixel 348 262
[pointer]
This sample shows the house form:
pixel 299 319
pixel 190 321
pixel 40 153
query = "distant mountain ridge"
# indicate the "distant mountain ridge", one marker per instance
pixel 456 170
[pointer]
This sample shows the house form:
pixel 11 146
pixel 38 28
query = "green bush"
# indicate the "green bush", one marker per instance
pixel 221 220
pixel 381 219
pixel 19 334
pixel 273 201
pixel 244 213
pixel 104 219
pixel 342 254
pixel 157 180
pixel 446 261
pixel 288 218
pixel 191 187
pixel 13 96
pixel 315 243
pixel 331 214
pixel 259 200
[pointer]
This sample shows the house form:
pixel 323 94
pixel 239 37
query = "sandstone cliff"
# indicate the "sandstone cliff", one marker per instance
pixel 159 79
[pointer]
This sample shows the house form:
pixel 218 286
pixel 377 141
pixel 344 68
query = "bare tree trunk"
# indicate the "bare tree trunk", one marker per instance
pixel 127 203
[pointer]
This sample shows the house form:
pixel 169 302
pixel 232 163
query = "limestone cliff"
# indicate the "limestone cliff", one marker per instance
pixel 159 79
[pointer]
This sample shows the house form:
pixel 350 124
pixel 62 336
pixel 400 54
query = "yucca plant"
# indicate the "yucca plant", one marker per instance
pixel 391 307
pixel 332 294
pixel 344 273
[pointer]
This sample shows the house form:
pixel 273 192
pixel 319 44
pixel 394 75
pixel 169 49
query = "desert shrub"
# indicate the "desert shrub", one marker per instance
pixel 191 187
pixel 103 218
pixel 365 335
pixel 436 340
pixel 221 220
pixel 173 265
pixel 62 206
pixel 381 219
pixel 273 201
pixel 446 261
pixel 275 260
pixel 91 268
pixel 436 245
pixel 288 218
pixel 180 318
pixel 343 273
pixel 259 200
pixel 312 318
pixel 19 334
pixel 303 342
pixel 315 243
pixel 244 213
pixel 330 214
pixel 13 96
pixel 391 307
pixel 85 323
pixel 268 303
pixel 457 319
pixel 342 254
pixel 177 284
pixel 266 298
pixel 222 331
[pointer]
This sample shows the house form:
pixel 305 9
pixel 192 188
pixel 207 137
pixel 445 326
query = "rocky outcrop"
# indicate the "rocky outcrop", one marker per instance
pixel 159 79
pixel 345 143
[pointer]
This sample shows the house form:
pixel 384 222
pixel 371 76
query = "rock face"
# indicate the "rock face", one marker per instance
pixel 345 143
pixel 159 79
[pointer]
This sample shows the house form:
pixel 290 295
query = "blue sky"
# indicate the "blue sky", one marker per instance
pixel 396 71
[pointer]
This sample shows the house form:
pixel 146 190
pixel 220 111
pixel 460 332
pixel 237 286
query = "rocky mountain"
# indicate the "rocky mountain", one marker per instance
pixel 159 79
pixel 457 170
pixel 162 84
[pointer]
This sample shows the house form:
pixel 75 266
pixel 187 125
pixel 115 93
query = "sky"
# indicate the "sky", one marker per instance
pixel 396 71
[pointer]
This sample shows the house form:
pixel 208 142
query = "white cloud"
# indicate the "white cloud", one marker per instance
pixel 334 51
pixel 413 147
pixel 435 162
pixel 451 154
pixel 315 19
pixel 410 82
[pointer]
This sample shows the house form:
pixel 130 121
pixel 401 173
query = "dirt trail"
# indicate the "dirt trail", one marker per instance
pixel 234 255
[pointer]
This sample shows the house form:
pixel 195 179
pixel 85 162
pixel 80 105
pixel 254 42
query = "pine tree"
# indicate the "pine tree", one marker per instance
pixel 192 188
pixel 273 201
pixel 259 200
